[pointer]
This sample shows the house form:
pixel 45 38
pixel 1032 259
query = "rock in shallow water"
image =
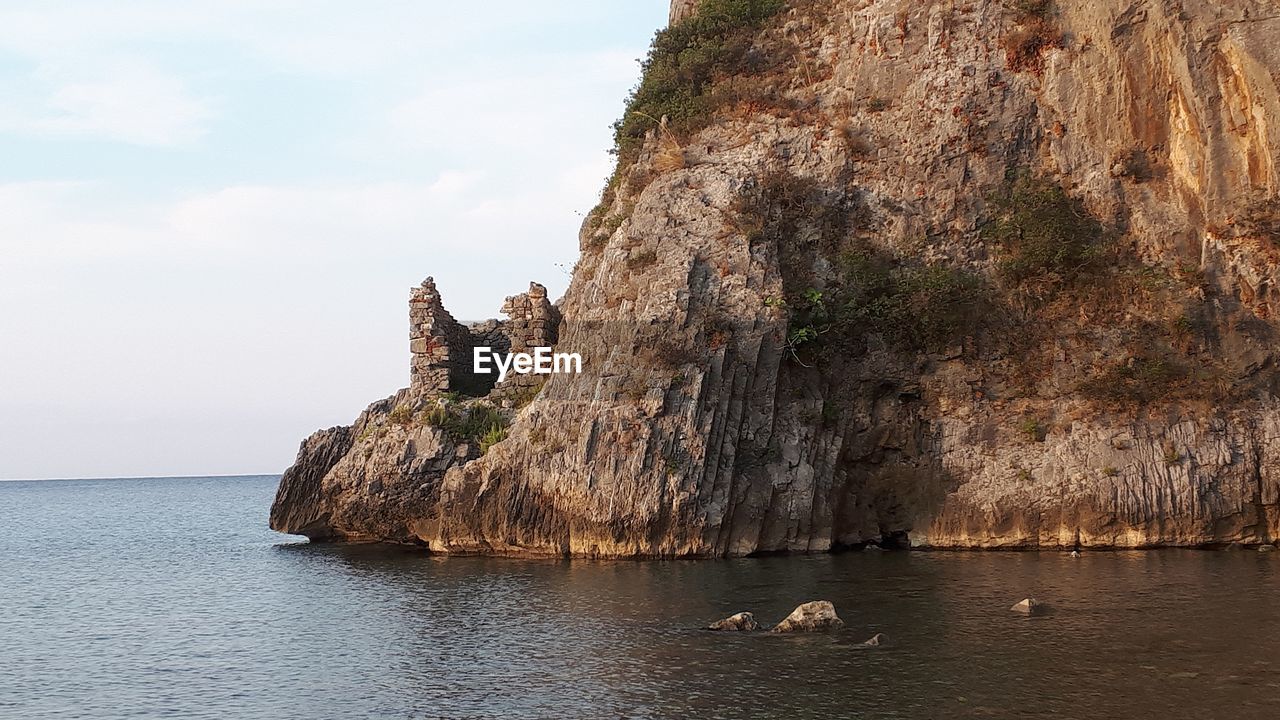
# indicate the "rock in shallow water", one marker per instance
pixel 810 617
pixel 1029 606
pixel 876 640
pixel 739 622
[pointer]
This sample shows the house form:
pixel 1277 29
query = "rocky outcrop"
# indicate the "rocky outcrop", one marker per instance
pixel 1029 606
pixel 813 616
pixel 1132 405
pixel 682 10
pixel 739 622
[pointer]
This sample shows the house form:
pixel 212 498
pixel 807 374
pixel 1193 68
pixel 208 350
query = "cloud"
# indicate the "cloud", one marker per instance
pixel 200 308
pixel 45 224
pixel 532 105
pixel 123 100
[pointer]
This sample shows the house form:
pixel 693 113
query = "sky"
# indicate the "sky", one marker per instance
pixel 211 212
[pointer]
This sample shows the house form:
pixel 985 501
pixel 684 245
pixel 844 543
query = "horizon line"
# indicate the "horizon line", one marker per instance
pixel 142 477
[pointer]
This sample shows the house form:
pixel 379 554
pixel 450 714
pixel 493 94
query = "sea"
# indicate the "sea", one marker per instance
pixel 170 598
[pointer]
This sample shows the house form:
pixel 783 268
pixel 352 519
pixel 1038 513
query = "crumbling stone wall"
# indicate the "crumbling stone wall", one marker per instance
pixel 492 334
pixel 440 346
pixel 534 322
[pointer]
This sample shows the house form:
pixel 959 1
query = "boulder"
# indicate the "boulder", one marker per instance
pixel 810 617
pixel 741 621
pixel 876 640
pixel 1029 606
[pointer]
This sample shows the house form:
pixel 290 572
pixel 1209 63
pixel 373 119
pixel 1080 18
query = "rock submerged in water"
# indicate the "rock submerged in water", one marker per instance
pixel 877 640
pixel 1029 606
pixel 743 621
pixel 810 617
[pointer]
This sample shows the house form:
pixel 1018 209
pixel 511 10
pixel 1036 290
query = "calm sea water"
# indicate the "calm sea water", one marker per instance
pixel 170 598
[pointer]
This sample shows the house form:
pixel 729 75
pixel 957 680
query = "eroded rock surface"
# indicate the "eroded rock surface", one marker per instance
pixel 696 429
pixel 813 616
pixel 1029 606
pixel 739 622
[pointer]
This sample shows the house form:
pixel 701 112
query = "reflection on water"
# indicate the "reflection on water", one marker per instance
pixel 170 598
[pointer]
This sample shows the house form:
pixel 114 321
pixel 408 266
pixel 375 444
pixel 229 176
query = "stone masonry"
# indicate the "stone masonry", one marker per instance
pixel 439 344
pixel 534 323
pixel 442 348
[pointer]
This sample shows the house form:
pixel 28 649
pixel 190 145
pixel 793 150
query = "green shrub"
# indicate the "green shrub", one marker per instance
pixel 785 209
pixel 1042 230
pixel 911 306
pixel 684 62
pixel 1032 429
pixel 400 415
pixel 494 436
pixel 476 423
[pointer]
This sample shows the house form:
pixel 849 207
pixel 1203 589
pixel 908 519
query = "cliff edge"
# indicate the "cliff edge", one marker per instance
pixel 982 274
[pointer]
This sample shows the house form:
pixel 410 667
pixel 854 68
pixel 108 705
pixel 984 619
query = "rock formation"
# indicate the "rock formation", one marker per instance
pixel 1028 606
pixel 949 275
pixel 739 622
pixel 810 617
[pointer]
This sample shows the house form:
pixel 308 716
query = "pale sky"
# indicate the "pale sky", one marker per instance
pixel 211 212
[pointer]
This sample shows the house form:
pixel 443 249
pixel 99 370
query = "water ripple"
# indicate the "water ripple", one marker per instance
pixel 169 598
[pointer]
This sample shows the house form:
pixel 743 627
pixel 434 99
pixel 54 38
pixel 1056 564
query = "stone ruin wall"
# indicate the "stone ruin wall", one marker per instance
pixel 534 322
pixel 441 348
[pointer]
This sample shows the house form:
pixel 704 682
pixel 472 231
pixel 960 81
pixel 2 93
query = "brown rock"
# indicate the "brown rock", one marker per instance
pixel 1029 606
pixel 743 621
pixel 810 617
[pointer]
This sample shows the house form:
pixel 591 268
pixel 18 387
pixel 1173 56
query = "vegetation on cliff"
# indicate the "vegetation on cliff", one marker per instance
pixel 1042 230
pixel 476 422
pixel 683 64
pixel 911 305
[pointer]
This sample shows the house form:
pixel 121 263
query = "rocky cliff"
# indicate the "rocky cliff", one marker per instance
pixel 953 274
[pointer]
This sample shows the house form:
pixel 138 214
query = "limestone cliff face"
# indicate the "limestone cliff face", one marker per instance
pixel 699 427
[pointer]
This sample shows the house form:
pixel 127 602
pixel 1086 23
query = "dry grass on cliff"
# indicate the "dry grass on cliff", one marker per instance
pixel 1154 374
pixel 1034 34
pixel 1261 218
pixel 670 156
